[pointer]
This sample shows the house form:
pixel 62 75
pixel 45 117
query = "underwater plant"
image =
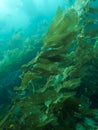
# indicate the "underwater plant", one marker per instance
pixel 58 85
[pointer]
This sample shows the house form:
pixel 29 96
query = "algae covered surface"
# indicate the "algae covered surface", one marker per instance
pixel 59 87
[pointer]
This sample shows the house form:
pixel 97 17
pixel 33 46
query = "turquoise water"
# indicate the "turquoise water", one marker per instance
pixel 21 22
pixel 21 25
pixel 49 65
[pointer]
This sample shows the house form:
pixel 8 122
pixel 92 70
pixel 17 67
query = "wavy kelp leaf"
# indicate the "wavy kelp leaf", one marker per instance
pixel 71 84
pixel 27 78
pixel 59 12
pixel 62 27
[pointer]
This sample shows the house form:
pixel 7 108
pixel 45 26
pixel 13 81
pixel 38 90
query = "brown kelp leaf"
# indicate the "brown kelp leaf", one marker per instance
pixel 68 85
pixel 46 68
pixel 63 27
pixel 27 77
pixel 72 84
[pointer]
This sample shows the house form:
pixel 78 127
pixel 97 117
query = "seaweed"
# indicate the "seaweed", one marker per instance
pixel 59 80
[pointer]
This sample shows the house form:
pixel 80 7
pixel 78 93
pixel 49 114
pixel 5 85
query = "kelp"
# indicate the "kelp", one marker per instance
pixel 61 27
pixel 56 86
